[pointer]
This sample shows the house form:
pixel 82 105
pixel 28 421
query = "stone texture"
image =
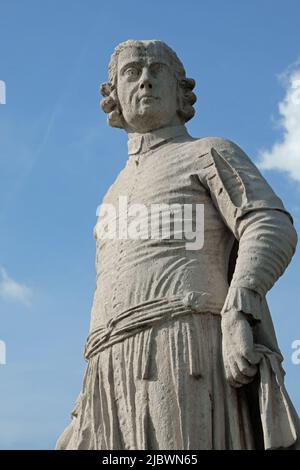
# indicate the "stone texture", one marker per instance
pixel 182 353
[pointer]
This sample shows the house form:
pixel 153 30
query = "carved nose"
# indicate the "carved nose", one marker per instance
pixel 145 80
pixel 145 84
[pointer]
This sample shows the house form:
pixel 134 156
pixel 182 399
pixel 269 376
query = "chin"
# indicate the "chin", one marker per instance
pixel 149 120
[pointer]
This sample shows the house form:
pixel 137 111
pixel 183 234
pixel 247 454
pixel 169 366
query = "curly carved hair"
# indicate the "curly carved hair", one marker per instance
pixel 110 103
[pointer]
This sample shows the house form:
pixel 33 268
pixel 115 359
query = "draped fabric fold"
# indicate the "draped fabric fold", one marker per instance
pixel 244 300
pixel 280 428
pixel 162 388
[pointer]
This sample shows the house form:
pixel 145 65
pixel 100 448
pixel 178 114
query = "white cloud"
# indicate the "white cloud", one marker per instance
pixel 285 153
pixel 13 290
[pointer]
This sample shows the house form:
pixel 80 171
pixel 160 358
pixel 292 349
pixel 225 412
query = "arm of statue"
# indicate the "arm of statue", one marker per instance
pixel 267 241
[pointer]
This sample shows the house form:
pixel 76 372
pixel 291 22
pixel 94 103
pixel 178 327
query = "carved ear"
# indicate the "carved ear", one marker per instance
pixel 186 98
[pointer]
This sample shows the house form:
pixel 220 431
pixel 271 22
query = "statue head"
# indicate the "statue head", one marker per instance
pixel 147 87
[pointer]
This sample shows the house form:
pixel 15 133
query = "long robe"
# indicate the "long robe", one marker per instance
pixel 155 376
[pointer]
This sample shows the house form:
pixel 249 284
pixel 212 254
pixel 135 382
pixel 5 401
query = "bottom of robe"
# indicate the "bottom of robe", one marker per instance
pixel 163 388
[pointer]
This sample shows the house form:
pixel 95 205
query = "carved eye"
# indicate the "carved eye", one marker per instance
pixel 132 72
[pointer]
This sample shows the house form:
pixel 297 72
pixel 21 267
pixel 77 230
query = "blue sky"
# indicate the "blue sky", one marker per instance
pixel 58 158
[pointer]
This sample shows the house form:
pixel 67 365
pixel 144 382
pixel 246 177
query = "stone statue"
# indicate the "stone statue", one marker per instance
pixel 182 353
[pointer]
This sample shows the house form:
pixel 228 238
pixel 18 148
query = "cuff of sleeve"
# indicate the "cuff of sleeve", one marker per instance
pixel 244 300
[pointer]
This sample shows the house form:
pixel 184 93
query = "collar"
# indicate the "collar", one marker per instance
pixel 140 143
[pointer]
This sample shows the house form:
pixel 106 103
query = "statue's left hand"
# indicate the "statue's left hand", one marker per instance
pixel 239 356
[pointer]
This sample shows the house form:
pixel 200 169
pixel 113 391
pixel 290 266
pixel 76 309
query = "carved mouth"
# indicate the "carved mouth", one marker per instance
pixel 147 98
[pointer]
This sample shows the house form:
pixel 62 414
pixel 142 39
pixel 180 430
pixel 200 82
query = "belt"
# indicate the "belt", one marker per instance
pixel 130 321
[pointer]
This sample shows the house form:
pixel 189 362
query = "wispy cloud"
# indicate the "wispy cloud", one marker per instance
pixel 285 153
pixel 28 153
pixel 13 290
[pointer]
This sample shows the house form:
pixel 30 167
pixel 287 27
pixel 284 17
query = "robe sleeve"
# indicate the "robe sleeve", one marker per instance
pixel 257 218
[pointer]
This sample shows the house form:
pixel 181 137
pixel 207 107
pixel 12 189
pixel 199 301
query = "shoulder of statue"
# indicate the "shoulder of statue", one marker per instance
pixel 217 143
pixel 214 149
pixel 233 178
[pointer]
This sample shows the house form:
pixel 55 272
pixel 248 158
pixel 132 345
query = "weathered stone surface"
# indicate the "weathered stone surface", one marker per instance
pixel 182 352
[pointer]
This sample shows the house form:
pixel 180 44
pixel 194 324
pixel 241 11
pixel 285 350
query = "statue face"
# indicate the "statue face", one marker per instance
pixel 147 89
